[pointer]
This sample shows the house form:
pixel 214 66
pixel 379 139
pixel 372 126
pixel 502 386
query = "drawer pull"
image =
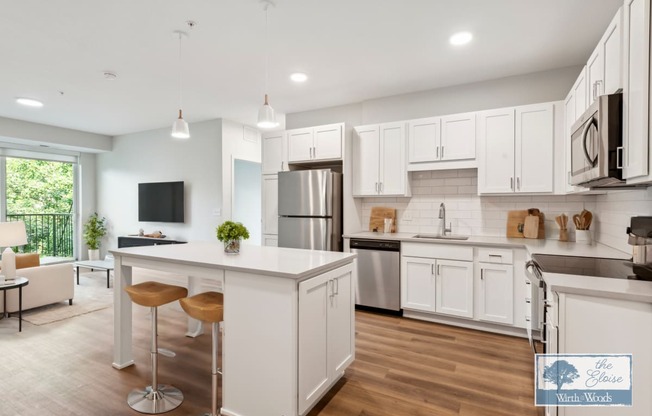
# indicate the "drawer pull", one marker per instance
pixel 500 256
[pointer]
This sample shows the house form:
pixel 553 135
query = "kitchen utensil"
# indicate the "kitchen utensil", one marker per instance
pixel 576 221
pixel 377 218
pixel 563 231
pixel 587 217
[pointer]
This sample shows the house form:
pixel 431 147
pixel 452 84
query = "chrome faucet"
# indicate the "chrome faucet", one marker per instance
pixel 442 217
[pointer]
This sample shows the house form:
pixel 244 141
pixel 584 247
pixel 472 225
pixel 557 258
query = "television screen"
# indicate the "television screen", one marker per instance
pixel 160 202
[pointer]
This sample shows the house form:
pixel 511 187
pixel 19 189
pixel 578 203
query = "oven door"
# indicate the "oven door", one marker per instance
pixel 585 148
pixel 532 299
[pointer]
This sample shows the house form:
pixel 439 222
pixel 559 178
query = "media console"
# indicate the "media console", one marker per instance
pixel 135 241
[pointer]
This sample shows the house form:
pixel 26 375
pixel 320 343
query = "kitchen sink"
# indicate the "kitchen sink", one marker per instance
pixel 442 237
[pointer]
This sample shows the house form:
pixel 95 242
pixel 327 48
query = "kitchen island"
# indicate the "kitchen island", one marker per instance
pixel 288 319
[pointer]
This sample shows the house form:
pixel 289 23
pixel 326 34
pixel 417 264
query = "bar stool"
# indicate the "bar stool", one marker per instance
pixel 156 398
pixel 208 307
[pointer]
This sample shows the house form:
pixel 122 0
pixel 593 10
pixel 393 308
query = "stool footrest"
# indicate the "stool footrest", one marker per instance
pixel 161 400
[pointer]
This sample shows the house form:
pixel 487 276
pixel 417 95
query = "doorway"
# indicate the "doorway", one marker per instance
pixel 247 198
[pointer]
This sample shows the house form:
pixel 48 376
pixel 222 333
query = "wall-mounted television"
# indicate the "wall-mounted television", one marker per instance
pixel 160 202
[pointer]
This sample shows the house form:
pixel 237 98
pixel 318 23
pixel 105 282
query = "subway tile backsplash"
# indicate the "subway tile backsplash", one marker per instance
pixel 487 215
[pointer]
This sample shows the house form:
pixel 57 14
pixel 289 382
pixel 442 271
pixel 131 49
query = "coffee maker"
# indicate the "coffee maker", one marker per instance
pixel 640 238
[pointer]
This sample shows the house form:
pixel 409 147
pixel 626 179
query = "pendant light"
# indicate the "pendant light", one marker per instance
pixel 266 116
pixel 180 126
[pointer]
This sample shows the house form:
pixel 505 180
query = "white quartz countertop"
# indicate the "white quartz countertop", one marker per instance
pixel 271 261
pixel 532 246
pixel 625 289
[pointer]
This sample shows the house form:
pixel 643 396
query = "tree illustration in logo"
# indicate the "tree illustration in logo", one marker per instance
pixel 560 372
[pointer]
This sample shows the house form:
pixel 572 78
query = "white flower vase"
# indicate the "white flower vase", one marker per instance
pixel 93 254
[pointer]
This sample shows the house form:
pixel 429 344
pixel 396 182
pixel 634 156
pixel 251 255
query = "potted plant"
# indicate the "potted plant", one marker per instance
pixel 231 233
pixel 94 230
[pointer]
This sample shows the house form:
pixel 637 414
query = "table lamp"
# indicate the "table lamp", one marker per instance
pixel 11 234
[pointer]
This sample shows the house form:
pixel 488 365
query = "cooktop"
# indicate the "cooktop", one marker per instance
pixel 589 266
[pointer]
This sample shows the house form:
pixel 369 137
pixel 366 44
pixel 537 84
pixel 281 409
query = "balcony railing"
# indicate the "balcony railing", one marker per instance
pixel 50 235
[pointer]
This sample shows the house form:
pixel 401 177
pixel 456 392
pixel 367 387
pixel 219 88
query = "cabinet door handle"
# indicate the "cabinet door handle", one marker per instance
pixel 481 274
pixel 593 91
pixel 442 152
pixel 314 153
pixel 500 256
pixel 438 269
pixel 432 269
pixel 518 183
pixel 382 187
pixel 437 155
pixel 337 286
pixel 569 178
pixel 511 183
pixel 376 187
pixel 282 163
pixel 619 158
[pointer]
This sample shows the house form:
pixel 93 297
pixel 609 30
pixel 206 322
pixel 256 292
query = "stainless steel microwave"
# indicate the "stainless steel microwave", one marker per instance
pixel 597 144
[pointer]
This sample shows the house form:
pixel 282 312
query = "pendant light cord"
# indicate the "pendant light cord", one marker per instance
pixel 180 86
pixel 266 50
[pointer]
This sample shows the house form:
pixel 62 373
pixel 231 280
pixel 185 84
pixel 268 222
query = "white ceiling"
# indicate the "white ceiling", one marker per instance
pixel 352 50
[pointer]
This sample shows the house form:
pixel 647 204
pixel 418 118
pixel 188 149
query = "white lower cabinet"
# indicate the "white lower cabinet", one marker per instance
pixel 496 297
pixel 418 284
pixel 454 288
pixel 596 325
pixel 326 333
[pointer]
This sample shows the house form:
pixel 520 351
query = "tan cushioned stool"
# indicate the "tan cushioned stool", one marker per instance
pixel 155 293
pixel 156 398
pixel 208 307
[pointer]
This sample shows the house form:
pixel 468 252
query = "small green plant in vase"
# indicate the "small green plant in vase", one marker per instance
pixel 231 233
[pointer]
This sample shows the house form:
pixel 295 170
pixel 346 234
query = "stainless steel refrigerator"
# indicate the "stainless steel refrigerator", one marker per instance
pixel 310 209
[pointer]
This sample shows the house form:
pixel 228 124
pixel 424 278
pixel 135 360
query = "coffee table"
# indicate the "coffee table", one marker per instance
pixel 95 265
pixel 18 283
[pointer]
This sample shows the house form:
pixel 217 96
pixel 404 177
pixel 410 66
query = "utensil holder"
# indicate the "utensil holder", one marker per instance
pixel 563 235
pixel 583 237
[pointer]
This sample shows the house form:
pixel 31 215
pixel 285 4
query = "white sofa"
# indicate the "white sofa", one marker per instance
pixel 47 284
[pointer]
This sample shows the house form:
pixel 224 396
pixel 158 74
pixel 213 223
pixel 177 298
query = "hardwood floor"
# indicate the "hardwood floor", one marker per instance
pixel 402 367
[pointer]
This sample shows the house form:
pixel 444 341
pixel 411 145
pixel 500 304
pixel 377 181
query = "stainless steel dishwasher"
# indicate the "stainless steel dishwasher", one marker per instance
pixel 378 284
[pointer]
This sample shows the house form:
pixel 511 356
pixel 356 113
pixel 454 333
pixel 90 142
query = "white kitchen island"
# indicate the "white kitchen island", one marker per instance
pixel 288 319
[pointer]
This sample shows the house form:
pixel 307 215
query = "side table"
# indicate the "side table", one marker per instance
pixel 5 285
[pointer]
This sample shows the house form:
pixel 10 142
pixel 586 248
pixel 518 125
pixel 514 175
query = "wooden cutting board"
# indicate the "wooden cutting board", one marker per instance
pixel 377 218
pixel 516 224
pixel 531 226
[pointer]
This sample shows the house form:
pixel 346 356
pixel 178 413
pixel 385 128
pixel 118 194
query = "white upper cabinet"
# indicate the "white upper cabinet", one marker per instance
pixel 534 148
pixel 496 145
pixel 275 156
pixel 442 139
pixel 636 29
pixel 315 144
pixel 516 150
pixel 604 68
pixel 579 90
pixel 379 160
pixel 424 139
pixel 458 137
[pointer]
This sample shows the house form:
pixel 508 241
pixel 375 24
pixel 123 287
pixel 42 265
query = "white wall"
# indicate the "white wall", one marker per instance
pixel 86 197
pixel 613 212
pixel 25 132
pixel 153 156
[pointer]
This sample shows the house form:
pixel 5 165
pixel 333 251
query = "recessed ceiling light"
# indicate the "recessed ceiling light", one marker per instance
pixel 29 102
pixel 299 77
pixel 461 38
